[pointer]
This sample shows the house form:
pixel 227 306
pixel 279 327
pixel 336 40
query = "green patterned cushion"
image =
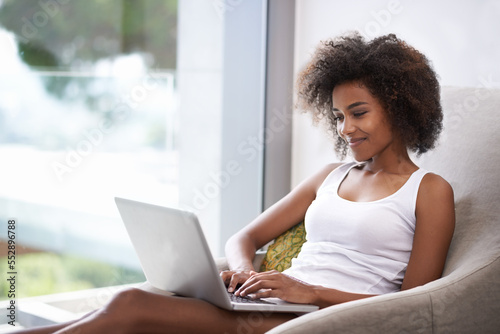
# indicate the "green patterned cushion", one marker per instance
pixel 287 246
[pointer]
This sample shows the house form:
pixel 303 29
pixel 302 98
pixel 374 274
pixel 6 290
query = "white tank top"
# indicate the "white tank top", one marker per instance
pixel 360 247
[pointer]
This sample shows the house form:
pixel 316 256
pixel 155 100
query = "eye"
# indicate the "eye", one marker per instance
pixel 358 114
pixel 337 118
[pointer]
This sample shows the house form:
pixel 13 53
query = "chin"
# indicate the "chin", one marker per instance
pixel 360 157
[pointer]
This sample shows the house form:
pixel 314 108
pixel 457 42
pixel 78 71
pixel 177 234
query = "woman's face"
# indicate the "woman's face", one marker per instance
pixel 361 121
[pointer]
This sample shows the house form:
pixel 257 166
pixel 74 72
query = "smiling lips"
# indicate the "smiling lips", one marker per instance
pixel 354 142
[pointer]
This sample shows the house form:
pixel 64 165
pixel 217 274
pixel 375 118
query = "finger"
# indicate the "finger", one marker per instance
pixel 226 276
pixel 255 277
pixel 264 294
pixel 252 279
pixel 249 288
pixel 257 286
pixel 235 280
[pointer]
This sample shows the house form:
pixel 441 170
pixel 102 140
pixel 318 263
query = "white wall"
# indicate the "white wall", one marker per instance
pixel 459 37
pixel 221 115
pixel 199 73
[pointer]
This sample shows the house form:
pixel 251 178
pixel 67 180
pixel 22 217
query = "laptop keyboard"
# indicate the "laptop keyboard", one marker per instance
pixel 239 299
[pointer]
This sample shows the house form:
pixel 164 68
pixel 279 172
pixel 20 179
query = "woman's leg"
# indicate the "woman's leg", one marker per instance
pixel 137 311
pixel 51 328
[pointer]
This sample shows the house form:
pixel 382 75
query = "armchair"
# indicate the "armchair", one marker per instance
pixel 467 297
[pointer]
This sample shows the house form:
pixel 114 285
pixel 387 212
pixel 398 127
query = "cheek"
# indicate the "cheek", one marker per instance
pixel 378 127
pixel 386 128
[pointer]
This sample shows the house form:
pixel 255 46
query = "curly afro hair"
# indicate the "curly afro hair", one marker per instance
pixel 399 76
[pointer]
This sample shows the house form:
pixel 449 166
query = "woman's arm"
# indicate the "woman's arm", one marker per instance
pixel 435 212
pixel 291 209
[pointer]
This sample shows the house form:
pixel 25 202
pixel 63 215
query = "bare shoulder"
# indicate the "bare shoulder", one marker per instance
pixel 310 185
pixel 327 169
pixel 434 185
pixel 435 201
pixel 318 178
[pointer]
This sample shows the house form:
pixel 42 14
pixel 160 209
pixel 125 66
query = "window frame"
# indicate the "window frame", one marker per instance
pixel 259 35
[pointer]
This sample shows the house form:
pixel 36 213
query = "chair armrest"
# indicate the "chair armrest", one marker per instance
pixel 221 262
pixel 465 301
pixel 394 313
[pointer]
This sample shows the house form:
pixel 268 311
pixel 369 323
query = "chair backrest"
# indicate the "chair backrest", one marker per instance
pixel 468 157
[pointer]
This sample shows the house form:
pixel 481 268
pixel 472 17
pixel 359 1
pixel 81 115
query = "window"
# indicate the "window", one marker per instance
pixel 153 100
pixel 89 111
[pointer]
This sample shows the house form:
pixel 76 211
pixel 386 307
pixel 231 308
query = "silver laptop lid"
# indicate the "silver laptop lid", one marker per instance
pixel 172 250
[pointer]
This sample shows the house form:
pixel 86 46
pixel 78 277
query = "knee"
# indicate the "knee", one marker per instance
pixel 130 294
pixel 125 302
pixel 120 314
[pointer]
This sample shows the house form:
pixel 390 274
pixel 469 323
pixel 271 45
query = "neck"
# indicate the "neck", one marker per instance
pixel 394 163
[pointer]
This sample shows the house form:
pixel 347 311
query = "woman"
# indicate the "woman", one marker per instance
pixel 377 225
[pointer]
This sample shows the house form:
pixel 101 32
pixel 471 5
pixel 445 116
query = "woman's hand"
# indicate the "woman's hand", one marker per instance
pixel 275 284
pixel 232 278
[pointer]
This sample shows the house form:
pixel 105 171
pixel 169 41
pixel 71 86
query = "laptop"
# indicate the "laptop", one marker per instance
pixel 175 258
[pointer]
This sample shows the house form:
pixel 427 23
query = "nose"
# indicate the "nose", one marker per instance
pixel 345 127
